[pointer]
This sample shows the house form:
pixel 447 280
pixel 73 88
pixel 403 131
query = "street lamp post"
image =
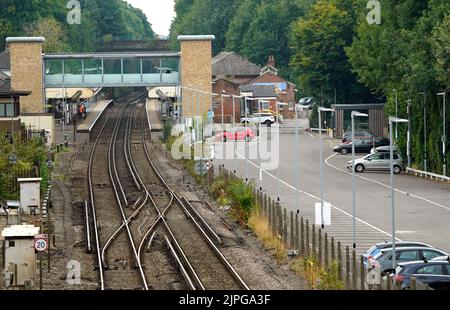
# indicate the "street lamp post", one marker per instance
pixel 425 155
pixel 444 137
pixel 245 142
pixel 396 113
pixel 234 128
pixel 322 109
pixel 391 149
pixel 354 114
pixel 408 146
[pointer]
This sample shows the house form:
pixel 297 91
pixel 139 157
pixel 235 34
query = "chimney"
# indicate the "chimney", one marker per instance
pixel 271 61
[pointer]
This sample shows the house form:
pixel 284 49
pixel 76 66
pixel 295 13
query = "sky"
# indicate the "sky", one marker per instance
pixel 160 13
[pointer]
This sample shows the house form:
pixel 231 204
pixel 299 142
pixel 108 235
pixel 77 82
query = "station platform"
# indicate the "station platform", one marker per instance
pixel 94 111
pixel 154 115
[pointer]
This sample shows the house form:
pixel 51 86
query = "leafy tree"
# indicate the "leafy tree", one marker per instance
pixel 203 17
pixel 440 42
pixel 319 60
pixel 55 36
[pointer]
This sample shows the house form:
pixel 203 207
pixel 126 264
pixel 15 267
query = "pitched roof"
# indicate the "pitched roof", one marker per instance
pixel 5 84
pixel 232 64
pixel 5 87
pixel 5 60
pixel 260 91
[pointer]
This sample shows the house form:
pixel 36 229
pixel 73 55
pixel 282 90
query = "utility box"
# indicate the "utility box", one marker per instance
pixel 30 195
pixel 13 212
pixel 19 255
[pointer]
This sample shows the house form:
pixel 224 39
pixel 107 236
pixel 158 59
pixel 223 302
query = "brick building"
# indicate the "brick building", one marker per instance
pixel 10 105
pixel 235 75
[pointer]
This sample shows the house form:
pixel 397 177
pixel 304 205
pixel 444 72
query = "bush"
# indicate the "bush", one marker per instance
pixel 241 195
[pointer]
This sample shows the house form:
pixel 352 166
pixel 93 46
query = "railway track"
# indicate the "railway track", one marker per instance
pixel 153 239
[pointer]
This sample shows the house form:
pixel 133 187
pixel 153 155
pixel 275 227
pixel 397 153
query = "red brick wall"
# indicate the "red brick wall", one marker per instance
pixel 230 89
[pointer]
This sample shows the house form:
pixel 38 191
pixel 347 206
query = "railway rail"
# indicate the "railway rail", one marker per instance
pixel 149 212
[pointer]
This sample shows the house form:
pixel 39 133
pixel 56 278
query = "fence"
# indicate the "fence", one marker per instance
pixel 321 253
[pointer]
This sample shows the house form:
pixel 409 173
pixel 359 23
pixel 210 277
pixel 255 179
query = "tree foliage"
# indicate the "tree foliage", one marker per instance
pixel 101 21
pixel 319 59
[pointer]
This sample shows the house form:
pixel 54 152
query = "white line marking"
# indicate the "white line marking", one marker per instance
pixel 318 199
pixel 384 185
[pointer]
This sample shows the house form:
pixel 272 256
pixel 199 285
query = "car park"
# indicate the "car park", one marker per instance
pixel 361 146
pixel 436 274
pixel 377 162
pixel 405 254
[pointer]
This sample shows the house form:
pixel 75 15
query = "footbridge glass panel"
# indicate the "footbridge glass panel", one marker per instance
pixel 111 70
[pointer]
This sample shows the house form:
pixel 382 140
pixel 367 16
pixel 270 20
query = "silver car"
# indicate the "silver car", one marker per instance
pixel 377 162
pixel 405 254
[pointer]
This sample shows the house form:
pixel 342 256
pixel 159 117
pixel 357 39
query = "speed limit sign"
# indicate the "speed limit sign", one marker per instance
pixel 40 243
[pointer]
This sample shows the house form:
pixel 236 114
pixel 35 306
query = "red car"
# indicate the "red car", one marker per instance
pixel 237 134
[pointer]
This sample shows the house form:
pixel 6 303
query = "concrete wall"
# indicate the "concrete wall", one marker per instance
pixel 196 72
pixel 21 259
pixel 26 71
pixel 42 122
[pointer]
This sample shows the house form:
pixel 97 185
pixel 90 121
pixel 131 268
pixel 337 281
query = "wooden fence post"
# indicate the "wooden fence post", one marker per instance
pixel 333 254
pixel 347 267
pixel 307 239
pixel 339 253
pixel 319 248
pixel 280 220
pixel 291 234
pixel 297 237
pixel 354 271
pixel 314 247
pixel 326 258
pixel 285 228
pixel 302 237
pixel 413 284
pixel 363 273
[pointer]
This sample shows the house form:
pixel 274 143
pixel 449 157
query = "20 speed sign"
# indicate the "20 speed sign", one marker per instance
pixel 40 244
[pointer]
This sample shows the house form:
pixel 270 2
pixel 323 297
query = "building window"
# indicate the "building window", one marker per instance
pixel 6 110
pixel 11 243
pixel 265 105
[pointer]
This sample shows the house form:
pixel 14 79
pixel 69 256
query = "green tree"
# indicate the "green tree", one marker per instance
pixel 203 17
pixel 440 42
pixel 319 60
pixel 52 31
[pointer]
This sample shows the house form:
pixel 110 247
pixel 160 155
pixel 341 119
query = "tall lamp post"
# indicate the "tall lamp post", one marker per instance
pixel 408 151
pixel 393 120
pixel 354 114
pixel 234 128
pixel 322 109
pixel 425 155
pixel 246 127
pixel 444 136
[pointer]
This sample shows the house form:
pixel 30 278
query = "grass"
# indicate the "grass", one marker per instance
pixel 261 228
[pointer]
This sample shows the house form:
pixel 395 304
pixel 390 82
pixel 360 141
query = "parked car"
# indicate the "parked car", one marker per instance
pixel 377 162
pixel 441 258
pixel 266 118
pixel 236 134
pixel 383 149
pixel 436 274
pixel 405 254
pixel 377 248
pixel 361 146
pixel 307 102
pixel 359 134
